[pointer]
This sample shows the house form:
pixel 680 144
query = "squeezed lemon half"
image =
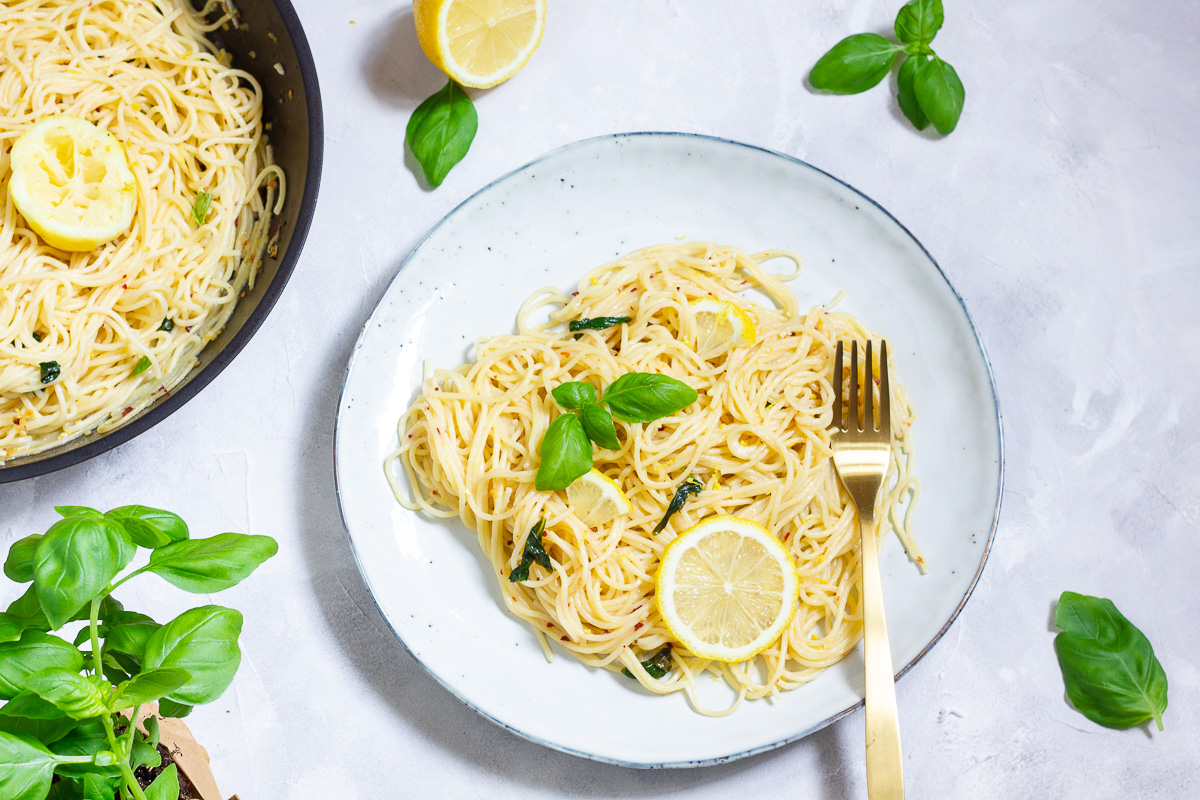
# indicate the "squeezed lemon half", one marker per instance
pixel 596 499
pixel 721 325
pixel 72 184
pixel 727 588
pixel 479 43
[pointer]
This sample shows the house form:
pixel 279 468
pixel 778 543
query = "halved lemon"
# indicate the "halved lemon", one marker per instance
pixel 727 588
pixel 479 43
pixel 71 183
pixel 720 325
pixel 596 498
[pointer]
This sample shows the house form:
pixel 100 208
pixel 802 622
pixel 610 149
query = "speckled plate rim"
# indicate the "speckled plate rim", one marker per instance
pixel 682 763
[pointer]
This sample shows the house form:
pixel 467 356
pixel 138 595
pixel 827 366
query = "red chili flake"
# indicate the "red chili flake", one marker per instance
pixel 124 286
pixel 574 294
pixel 128 409
pixel 638 626
pixel 16 420
pixel 188 329
pixel 549 624
pixel 435 491
pixel 564 638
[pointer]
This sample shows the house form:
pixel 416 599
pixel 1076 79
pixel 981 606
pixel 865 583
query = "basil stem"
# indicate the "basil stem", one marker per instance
pixel 691 486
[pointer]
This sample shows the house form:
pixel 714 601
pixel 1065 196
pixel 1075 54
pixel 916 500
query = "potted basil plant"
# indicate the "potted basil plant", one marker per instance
pixel 79 672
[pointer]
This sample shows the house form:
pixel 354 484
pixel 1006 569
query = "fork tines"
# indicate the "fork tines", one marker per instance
pixel 868 418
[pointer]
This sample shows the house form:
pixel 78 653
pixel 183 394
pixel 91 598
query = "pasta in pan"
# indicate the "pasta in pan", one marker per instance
pixel 88 338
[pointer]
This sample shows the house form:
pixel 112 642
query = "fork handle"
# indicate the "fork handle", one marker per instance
pixel 885 769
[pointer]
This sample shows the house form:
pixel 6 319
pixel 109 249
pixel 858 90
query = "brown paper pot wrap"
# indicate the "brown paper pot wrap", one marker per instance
pixel 189 756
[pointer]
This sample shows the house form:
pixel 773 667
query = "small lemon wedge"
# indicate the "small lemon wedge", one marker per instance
pixel 479 43
pixel 71 183
pixel 727 588
pixel 720 325
pixel 596 499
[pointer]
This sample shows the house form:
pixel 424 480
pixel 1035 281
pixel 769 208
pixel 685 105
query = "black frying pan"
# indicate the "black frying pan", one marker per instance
pixel 271 30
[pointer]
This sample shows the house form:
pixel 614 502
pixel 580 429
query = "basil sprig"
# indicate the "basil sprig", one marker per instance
pixel 532 551
pixel 1111 673
pixel 566 448
pixel 595 324
pixel 441 130
pixel 61 702
pixel 691 486
pixel 928 88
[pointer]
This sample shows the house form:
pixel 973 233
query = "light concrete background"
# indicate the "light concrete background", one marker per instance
pixel 1065 209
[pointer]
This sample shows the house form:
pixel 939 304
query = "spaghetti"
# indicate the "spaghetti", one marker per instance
pixel 757 438
pixel 123 323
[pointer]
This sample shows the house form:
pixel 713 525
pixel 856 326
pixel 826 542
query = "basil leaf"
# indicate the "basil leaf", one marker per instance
pixel 531 552
pixel 645 396
pixel 940 93
pixel 127 632
pixel 657 665
pixel 101 787
pixel 1109 668
pixel 149 686
pixel 142 365
pixel 19 564
pixel 75 560
pixel 11 627
pixel 691 486
pixel 27 612
pixel 73 694
pixel 200 207
pixel 168 325
pixel 152 733
pixel 919 21
pixel 905 94
pixel 854 64
pixel 33 652
pixel 165 786
pixel 441 130
pixel 149 527
pixel 49 371
pixel 169 708
pixel 566 454
pixel 26 768
pixel 213 564
pixel 77 511
pixel 574 395
pixel 598 425
pixel 30 715
pixel 595 324
pixel 202 641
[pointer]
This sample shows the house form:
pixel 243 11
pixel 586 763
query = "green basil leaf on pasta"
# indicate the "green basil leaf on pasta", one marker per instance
pixel 532 552
pixel 599 427
pixel 906 96
pixel 689 488
pixel 49 371
pixel 574 395
pixel 595 324
pixel 1109 669
pixel 441 130
pixel 657 665
pixel 200 207
pixel 566 454
pixel 940 93
pixel 854 64
pixel 646 396
pixel 142 365
pixel 919 21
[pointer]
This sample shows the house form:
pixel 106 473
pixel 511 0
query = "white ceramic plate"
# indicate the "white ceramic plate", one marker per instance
pixel 550 222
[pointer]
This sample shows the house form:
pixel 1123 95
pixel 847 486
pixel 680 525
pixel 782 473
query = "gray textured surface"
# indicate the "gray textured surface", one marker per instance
pixel 1065 209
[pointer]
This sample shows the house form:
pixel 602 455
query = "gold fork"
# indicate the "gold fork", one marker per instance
pixel 860 457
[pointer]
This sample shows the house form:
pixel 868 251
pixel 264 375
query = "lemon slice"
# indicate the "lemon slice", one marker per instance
pixel 721 325
pixel 71 182
pixel 726 588
pixel 479 43
pixel 596 498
